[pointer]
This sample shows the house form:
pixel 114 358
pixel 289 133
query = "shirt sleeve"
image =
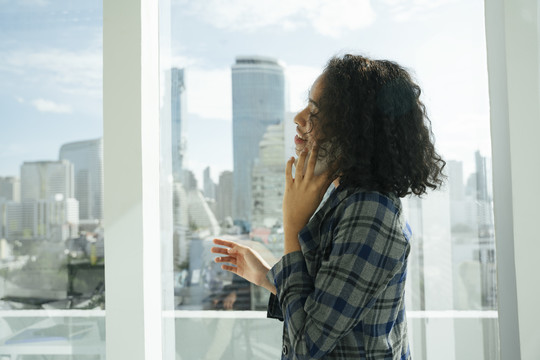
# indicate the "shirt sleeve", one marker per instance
pixel 368 250
pixel 274 309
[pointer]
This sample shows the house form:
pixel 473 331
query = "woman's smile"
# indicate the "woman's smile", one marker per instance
pixel 299 141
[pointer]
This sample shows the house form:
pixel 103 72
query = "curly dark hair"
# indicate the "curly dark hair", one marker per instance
pixel 376 132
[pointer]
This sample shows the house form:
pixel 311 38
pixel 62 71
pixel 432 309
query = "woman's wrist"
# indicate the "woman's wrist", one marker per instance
pixel 264 282
pixel 291 241
pixel 268 286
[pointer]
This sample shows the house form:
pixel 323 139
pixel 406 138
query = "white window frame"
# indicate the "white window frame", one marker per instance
pixel 131 158
pixel 132 175
pixel 513 68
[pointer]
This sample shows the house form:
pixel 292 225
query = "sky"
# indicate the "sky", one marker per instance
pixel 51 64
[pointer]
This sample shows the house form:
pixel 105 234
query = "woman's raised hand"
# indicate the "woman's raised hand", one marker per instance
pixel 303 194
pixel 243 261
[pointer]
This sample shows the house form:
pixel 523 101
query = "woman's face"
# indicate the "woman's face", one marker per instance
pixel 306 134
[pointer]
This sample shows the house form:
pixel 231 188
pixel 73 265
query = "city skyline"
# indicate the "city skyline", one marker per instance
pixel 51 96
pixel 61 112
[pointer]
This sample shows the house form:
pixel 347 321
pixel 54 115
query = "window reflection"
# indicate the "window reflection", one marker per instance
pixel 242 82
pixel 51 180
pixel 245 205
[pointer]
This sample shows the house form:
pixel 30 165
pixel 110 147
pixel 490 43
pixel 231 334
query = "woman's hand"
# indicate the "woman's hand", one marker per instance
pixel 228 302
pixel 244 262
pixel 303 194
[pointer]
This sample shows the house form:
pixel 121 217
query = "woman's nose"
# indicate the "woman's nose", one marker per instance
pixel 300 118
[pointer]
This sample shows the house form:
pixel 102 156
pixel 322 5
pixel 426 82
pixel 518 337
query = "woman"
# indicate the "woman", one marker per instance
pixel 340 285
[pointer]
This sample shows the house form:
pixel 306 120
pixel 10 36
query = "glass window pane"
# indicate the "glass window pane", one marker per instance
pixel 51 181
pixel 238 74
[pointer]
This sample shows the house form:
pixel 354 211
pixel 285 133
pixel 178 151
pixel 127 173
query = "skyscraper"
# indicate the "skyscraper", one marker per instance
pixel 42 180
pixel 180 223
pixel 486 235
pixel 267 179
pixel 54 219
pixel 224 195
pixel 481 177
pixel 463 209
pixel 12 217
pixel 48 210
pixel 258 85
pixel 178 108
pixel 208 184
pixel 87 159
pixel 10 189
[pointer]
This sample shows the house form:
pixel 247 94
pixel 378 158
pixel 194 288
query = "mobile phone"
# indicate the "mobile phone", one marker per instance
pixel 321 165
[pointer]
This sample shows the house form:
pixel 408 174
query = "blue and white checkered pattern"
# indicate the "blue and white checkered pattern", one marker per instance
pixel 342 296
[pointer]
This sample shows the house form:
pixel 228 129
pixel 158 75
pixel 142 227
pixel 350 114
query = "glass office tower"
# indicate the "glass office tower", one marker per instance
pixel 258 85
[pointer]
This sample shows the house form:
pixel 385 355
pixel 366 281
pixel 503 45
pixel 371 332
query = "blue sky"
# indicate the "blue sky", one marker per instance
pixel 50 66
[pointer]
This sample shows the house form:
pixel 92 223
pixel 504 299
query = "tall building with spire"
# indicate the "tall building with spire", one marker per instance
pixel 258 85
pixel 178 110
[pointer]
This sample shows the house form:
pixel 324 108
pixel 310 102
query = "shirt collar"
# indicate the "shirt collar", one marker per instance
pixel 309 236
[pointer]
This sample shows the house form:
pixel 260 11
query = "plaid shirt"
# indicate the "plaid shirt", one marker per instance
pixel 343 294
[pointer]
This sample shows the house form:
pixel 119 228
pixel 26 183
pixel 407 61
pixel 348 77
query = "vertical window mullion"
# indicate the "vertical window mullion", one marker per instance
pixel 513 64
pixel 131 162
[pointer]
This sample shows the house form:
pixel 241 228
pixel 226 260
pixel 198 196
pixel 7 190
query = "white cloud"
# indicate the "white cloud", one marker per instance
pixel 329 18
pixel 404 10
pixel 334 17
pixel 50 106
pixel 74 72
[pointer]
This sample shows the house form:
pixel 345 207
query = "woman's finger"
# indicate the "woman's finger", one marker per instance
pixel 230 268
pixel 301 164
pixel 227 259
pixel 311 162
pixel 288 171
pixel 219 250
pixel 225 243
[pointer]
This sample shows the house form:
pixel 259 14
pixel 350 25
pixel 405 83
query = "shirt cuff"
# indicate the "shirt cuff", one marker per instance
pixel 274 309
pixel 291 278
